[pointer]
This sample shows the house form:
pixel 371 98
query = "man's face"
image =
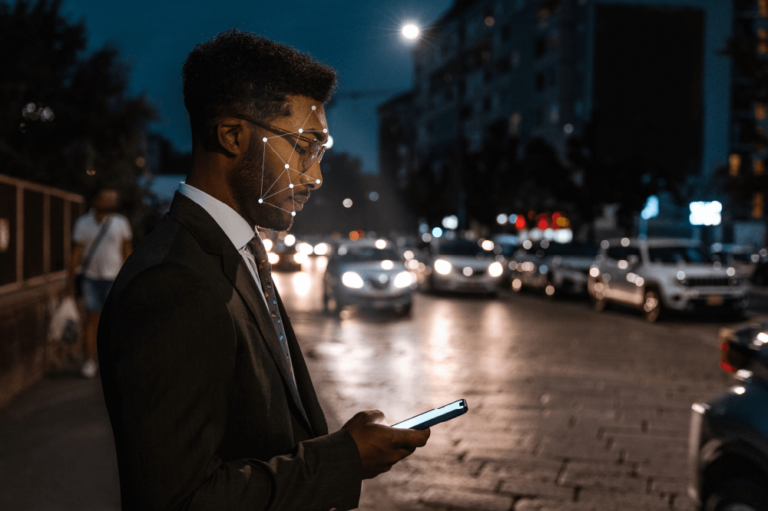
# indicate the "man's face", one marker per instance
pixel 106 201
pixel 269 185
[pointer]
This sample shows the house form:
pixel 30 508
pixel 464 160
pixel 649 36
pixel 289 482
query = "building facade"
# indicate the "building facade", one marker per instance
pixel 649 74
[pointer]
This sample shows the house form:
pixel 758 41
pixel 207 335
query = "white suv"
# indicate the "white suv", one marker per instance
pixel 660 274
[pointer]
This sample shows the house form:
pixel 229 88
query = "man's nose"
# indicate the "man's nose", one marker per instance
pixel 313 177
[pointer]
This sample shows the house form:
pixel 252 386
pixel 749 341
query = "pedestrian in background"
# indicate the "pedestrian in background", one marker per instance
pixel 102 243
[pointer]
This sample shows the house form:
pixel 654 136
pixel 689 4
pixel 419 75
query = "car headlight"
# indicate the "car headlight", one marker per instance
pixel 273 258
pixel 352 279
pixel 403 279
pixel 495 269
pixel 443 267
pixel 300 257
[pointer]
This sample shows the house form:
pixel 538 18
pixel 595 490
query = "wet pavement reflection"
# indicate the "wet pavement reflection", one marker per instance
pixel 561 398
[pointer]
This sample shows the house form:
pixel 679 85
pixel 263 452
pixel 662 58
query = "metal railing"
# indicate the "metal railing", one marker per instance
pixel 36 224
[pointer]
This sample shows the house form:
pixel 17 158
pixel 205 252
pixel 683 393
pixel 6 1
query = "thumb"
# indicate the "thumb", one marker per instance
pixel 411 438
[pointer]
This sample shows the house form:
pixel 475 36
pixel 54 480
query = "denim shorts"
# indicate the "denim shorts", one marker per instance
pixel 95 293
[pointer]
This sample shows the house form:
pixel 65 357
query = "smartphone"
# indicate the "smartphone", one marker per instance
pixel 428 419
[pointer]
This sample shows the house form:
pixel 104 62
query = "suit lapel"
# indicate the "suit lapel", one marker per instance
pixel 237 272
pixel 214 240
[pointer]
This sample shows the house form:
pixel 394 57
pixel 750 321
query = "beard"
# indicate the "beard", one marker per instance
pixel 245 182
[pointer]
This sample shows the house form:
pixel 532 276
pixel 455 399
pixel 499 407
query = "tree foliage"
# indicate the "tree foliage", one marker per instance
pixel 92 123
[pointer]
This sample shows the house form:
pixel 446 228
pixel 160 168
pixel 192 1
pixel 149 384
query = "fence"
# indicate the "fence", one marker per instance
pixel 36 225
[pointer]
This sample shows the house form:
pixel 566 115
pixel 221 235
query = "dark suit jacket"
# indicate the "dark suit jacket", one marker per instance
pixel 204 412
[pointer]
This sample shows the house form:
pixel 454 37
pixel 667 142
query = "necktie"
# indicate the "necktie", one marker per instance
pixel 264 269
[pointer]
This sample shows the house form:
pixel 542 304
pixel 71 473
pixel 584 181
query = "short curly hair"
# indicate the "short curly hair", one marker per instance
pixel 240 72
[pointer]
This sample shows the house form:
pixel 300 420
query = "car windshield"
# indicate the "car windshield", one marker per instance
pixel 673 255
pixel 363 254
pixel 461 248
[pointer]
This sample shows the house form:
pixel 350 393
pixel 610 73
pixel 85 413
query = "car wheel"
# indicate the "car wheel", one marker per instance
pixel 599 300
pixel 652 305
pixel 738 495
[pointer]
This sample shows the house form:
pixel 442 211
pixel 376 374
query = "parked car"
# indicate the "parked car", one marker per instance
pixel 728 443
pixel 664 274
pixel 743 258
pixel 463 266
pixel 288 259
pixel 360 273
pixel 553 267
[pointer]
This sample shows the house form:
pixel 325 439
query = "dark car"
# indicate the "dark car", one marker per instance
pixel 729 434
pixel 553 267
pixel 289 258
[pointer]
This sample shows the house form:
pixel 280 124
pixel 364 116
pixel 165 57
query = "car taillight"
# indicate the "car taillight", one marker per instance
pixel 733 355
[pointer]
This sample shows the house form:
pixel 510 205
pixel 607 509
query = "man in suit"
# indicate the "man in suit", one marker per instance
pixel 211 403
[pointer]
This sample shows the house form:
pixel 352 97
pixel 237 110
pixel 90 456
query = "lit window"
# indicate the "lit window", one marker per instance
pixel 760 108
pixel 763 8
pixel 758 166
pixel 757 205
pixel 762 40
pixel 734 164
pixel 489 21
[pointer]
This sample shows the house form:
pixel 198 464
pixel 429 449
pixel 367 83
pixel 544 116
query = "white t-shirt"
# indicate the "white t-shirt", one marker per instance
pixel 108 257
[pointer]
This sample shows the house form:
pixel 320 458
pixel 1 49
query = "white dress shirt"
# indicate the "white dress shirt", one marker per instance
pixel 234 226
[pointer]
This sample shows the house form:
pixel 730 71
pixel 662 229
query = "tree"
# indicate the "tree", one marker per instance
pixel 68 121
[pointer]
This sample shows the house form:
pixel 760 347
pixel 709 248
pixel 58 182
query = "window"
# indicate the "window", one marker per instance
pixel 539 47
pixel 554 113
pixel 515 60
pixel 762 6
pixel 487 75
pixel 760 109
pixel 762 40
pixel 734 164
pixel 506 32
pixel 540 83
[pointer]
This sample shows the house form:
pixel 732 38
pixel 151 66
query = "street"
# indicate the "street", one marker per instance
pixel 569 409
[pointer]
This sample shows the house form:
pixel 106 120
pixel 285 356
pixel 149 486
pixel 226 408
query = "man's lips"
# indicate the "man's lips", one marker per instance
pixel 299 200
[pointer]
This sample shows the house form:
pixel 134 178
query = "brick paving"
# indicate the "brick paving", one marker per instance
pixel 569 409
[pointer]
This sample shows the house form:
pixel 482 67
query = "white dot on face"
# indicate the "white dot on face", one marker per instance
pixel 264 139
pixel 301 130
pixel 325 130
pixel 314 107
pixel 293 213
pixel 286 165
pixel 261 200
pixel 290 185
pixel 317 181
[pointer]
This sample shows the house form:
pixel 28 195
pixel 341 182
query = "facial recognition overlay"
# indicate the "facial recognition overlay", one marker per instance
pixel 289 174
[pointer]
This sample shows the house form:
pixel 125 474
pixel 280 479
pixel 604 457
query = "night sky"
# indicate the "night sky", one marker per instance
pixel 361 40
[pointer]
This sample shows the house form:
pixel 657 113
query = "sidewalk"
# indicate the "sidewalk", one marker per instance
pixel 56 448
pixel 57 452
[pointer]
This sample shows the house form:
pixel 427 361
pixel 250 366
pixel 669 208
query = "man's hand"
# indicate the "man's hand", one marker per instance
pixel 381 446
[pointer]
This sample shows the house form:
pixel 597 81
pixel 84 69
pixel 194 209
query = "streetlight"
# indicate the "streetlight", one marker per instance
pixel 411 31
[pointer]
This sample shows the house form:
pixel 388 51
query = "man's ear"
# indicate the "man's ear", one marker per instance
pixel 232 135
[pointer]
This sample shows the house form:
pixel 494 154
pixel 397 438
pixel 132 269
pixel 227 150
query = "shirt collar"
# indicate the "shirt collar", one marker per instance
pixel 234 226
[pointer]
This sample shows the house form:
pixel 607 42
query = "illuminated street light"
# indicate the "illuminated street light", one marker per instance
pixel 411 31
